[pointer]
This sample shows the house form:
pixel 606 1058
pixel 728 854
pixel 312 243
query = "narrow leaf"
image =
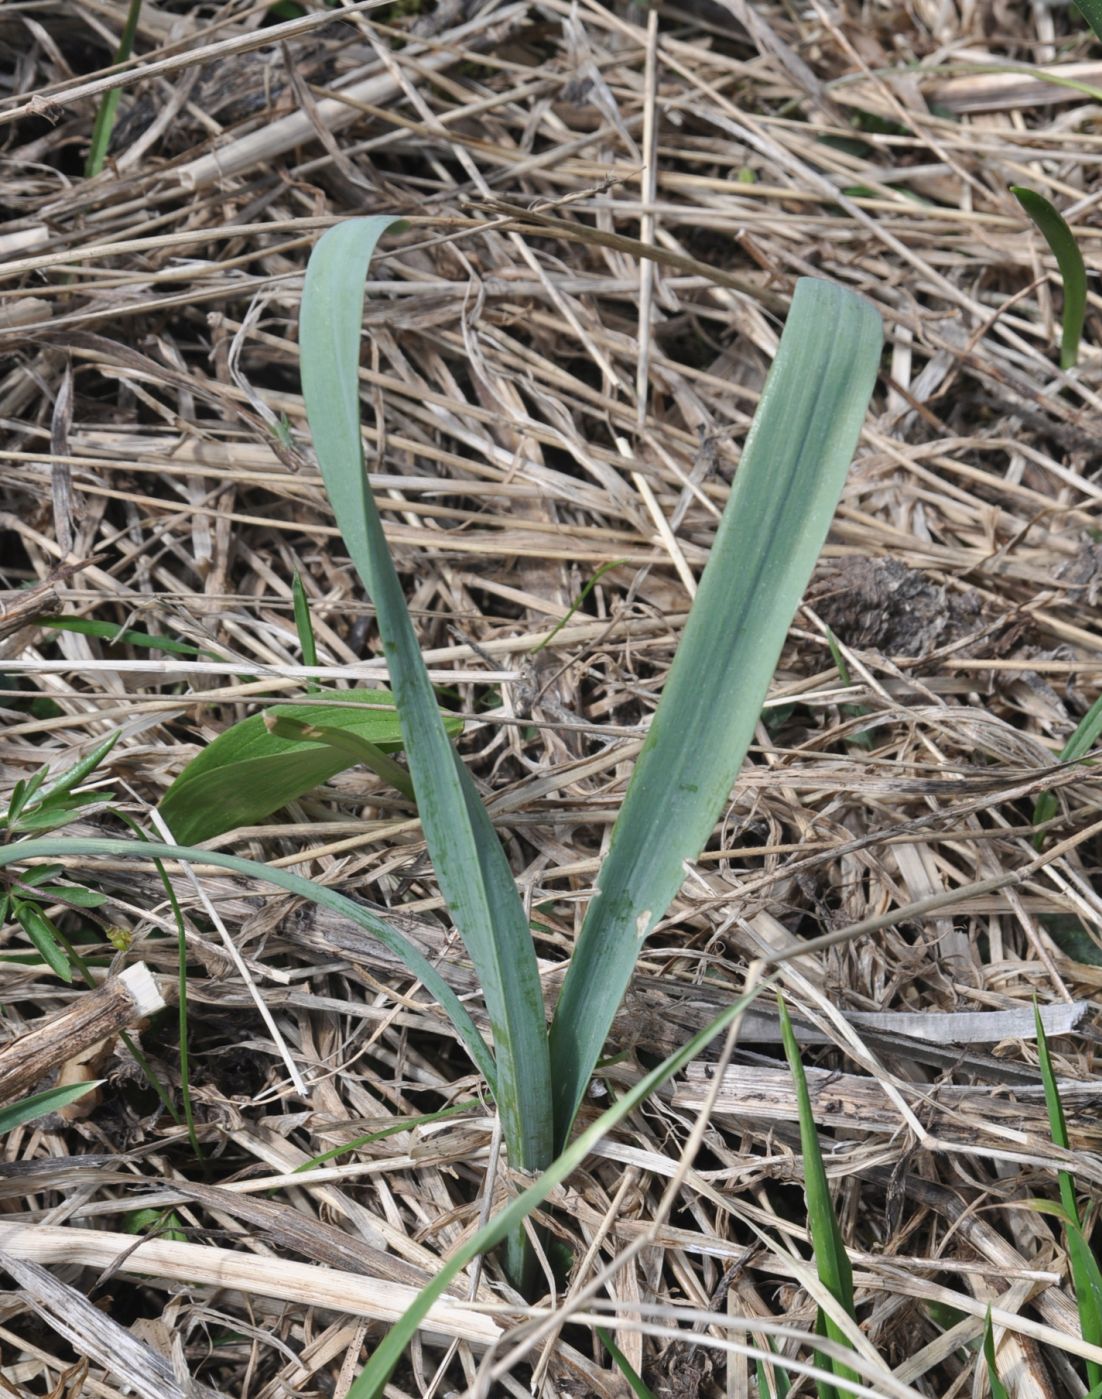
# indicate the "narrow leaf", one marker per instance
pixel 636 1383
pixel 831 1259
pixel 61 846
pixel 247 772
pixel 75 775
pixel 45 937
pixel 1069 259
pixel 115 635
pixel 42 1104
pixel 303 625
pixel 1085 1273
pixel 471 867
pixel 109 106
pixel 1083 740
pixel 998 1389
pixel 793 468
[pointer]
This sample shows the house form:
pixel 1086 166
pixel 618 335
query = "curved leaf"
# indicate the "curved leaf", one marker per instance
pixel 793 468
pixel 248 772
pixel 470 864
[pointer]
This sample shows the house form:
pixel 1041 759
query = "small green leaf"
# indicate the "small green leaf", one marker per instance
pixel 304 626
pixel 46 938
pixel 42 1104
pixel 998 1389
pixel 635 1381
pixel 1069 259
pixel 109 105
pixel 75 775
pixel 74 894
pixel 247 772
pixel 1083 740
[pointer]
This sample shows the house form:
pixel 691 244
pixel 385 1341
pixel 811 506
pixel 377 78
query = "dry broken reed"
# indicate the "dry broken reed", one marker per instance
pixel 541 402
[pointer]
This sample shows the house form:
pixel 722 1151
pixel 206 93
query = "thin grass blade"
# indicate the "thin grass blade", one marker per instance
pixel 1061 241
pixel 109 106
pixel 831 1259
pixel 1085 1273
pixel 636 1383
pixel 788 484
pixel 471 867
pixel 41 1104
pixel 998 1389
pixel 58 847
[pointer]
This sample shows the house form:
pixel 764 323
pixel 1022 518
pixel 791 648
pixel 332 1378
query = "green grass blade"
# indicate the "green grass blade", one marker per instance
pixel 40 1104
pixel 788 484
pixel 471 867
pixel 831 1260
pixel 57 847
pixel 776 1377
pixel 249 772
pixel 75 775
pixel 1085 1274
pixel 1083 740
pixel 105 117
pixel 1061 241
pixel 371 1382
pixel 115 635
pixel 998 1389
pixel 1091 10
pixel 305 628
pixel 635 1381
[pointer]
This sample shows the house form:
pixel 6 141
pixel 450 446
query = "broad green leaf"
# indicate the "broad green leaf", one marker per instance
pixel 788 484
pixel 1091 10
pixel 831 1259
pixel 60 847
pixel 355 749
pixel 1069 259
pixel 471 868
pixel 41 1104
pixel 1086 736
pixel 247 772
pixel 372 1379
